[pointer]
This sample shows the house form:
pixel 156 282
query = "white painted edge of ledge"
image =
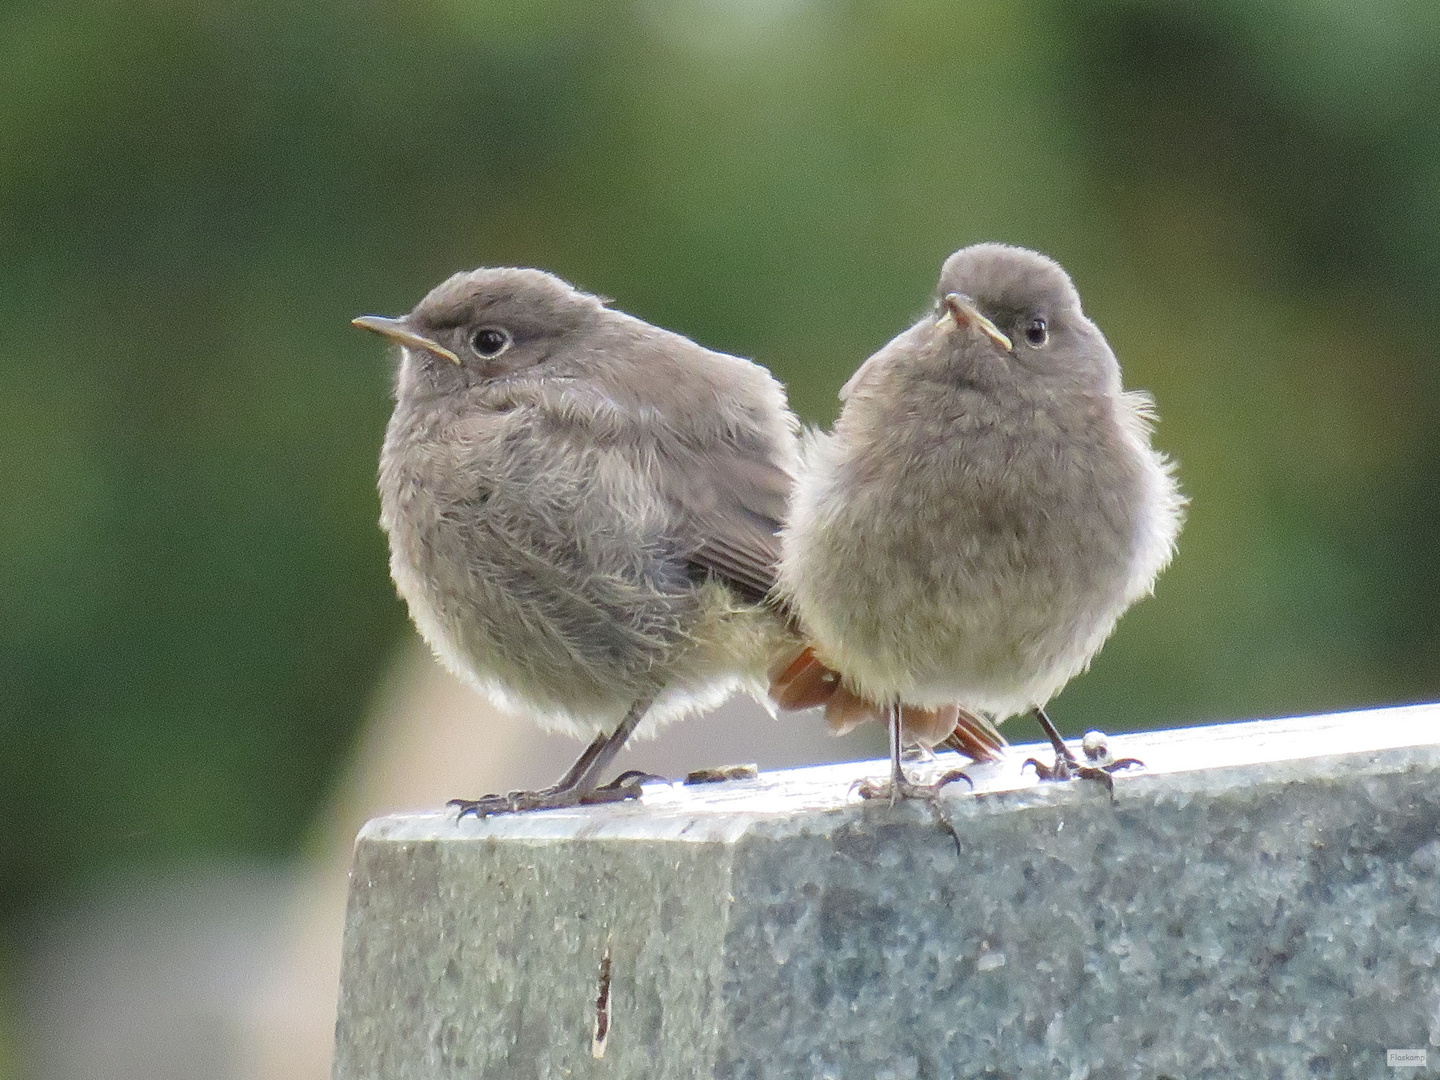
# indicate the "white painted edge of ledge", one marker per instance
pixel 723 811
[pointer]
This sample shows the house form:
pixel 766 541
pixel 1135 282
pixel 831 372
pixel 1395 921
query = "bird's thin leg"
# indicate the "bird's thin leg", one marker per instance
pixel 580 784
pixel 899 785
pixel 589 777
pixel 582 764
pixel 1067 766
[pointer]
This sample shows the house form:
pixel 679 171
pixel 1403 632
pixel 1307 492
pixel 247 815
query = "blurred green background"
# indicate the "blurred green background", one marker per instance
pixel 197 195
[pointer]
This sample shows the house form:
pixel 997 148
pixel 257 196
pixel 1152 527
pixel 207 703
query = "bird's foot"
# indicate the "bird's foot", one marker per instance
pixel 897 788
pixel 628 785
pixel 1100 765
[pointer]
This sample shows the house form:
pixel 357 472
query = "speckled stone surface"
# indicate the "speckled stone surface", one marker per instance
pixel 1263 900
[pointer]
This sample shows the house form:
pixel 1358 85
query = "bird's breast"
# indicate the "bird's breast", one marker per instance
pixel 987 509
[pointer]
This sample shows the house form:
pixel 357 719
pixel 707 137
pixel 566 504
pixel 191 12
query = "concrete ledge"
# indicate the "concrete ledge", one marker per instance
pixel 1262 901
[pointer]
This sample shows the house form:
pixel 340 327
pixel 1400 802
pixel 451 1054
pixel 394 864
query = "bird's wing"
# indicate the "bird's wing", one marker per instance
pixel 719 423
pixel 732 502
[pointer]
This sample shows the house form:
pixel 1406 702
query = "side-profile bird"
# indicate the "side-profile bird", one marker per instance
pixel 986 507
pixel 583 513
pixel 581 510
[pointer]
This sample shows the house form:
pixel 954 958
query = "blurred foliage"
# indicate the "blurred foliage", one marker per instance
pixel 196 196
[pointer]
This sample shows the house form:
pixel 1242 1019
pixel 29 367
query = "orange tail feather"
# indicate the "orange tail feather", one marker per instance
pixel 801 681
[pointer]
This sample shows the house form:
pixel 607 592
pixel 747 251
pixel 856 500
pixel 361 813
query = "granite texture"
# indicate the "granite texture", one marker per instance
pixel 1263 900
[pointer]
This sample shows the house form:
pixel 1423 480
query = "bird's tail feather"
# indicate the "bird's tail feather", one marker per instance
pixel 799 680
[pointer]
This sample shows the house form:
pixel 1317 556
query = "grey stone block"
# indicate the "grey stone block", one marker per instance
pixel 1260 901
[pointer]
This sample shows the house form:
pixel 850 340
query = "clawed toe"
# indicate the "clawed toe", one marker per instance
pixel 950 777
pixel 517 802
pixel 628 785
pixel 1067 769
pixel 896 790
pixel 870 789
pixel 638 776
pixel 1124 763
pixel 486 805
pixel 1061 770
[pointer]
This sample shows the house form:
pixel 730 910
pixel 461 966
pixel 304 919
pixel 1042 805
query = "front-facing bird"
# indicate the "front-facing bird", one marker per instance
pixel 987 505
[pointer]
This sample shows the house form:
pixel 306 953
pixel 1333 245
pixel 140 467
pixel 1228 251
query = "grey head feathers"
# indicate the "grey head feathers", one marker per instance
pixel 1032 300
pixel 496 322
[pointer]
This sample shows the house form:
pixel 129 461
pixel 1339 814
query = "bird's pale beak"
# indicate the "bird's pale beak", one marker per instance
pixel 961 310
pixel 398 331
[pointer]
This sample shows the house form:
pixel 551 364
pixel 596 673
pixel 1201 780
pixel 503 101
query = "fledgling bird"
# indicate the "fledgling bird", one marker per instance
pixel 583 512
pixel 986 507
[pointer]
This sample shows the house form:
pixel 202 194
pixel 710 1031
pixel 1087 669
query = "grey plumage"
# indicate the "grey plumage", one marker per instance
pixel 986 506
pixel 585 520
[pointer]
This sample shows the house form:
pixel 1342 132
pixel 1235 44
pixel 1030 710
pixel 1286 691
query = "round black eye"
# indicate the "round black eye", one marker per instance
pixel 1037 333
pixel 490 341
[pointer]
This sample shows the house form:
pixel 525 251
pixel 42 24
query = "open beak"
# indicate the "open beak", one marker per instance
pixel 962 310
pixel 398 331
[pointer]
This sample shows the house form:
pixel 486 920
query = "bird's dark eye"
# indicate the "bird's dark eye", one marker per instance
pixel 1037 333
pixel 490 341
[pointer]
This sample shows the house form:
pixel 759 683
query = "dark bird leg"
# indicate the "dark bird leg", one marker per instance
pixel 581 783
pixel 1067 766
pixel 1065 762
pixel 899 786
